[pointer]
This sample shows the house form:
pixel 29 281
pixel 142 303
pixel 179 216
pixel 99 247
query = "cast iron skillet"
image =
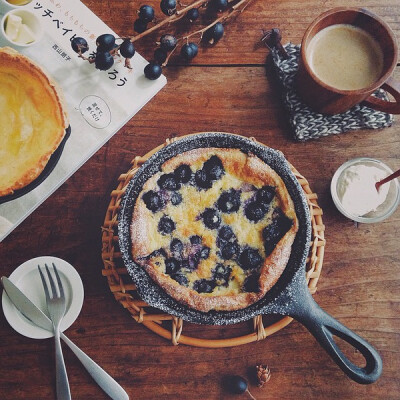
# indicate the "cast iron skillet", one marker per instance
pixel 289 296
pixel 53 160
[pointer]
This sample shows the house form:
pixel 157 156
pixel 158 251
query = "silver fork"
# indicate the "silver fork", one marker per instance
pixel 56 307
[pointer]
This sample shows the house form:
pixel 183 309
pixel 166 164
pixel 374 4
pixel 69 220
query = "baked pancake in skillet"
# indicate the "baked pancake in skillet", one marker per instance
pixel 33 120
pixel 214 228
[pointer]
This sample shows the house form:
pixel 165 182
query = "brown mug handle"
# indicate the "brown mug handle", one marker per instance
pixel 392 107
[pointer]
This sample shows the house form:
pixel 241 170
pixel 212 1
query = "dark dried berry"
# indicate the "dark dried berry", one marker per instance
pixel 228 250
pixel 180 278
pixel 229 201
pixel 255 211
pixel 172 266
pixel 203 181
pixel 168 182
pixel 139 26
pixel 211 218
pixel 192 14
pixel 265 194
pixel 237 384
pixel 166 225
pixel 160 55
pixel 153 200
pixel 146 13
pixel 214 168
pixel 204 286
pixel 176 198
pixel 168 7
pixel 168 42
pixel 250 258
pixel 183 173
pixel 251 283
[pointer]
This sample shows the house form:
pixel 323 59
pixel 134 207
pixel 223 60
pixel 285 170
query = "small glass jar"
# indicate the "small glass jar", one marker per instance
pixel 384 210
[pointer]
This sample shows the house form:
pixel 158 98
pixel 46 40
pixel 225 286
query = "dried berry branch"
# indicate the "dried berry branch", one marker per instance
pixel 107 48
pixel 173 18
pixel 235 9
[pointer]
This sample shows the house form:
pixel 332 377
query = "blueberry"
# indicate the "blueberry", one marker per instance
pixel 176 198
pixel 265 194
pixel 166 225
pixel 228 250
pixel 225 233
pixel 214 168
pixel 183 173
pixel 211 218
pixel 172 266
pixel 205 252
pixel 193 260
pixel 251 283
pixel 176 247
pixel 221 274
pixel 229 201
pixel 274 232
pixel 168 182
pixel 180 278
pixel 204 286
pixel 255 211
pixel 202 179
pixel 158 253
pixel 153 200
pixel 250 258
pixel 195 239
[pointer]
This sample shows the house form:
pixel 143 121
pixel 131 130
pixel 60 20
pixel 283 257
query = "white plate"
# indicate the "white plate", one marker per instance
pixel 27 278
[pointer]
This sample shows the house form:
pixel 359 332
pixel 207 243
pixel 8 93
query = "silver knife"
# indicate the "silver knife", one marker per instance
pixel 34 314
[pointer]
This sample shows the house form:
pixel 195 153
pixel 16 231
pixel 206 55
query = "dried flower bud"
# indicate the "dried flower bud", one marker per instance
pixel 263 375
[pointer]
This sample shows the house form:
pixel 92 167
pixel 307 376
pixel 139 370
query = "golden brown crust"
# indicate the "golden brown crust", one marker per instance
pixel 28 77
pixel 240 169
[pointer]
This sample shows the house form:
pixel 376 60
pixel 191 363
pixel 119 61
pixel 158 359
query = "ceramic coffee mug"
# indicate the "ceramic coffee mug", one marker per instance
pixel 316 82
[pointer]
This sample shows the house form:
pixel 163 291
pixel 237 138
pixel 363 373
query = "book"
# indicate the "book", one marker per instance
pixel 99 103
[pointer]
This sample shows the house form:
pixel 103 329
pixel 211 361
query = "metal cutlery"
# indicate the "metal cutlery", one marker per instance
pixel 35 315
pixel 56 308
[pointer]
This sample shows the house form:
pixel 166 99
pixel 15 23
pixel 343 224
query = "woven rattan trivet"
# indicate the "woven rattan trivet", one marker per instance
pixel 171 327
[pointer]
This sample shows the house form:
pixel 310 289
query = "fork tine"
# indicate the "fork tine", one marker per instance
pixel 52 284
pixel 46 290
pixel 60 286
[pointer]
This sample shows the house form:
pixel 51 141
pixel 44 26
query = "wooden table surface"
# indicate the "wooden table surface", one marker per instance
pixel 226 88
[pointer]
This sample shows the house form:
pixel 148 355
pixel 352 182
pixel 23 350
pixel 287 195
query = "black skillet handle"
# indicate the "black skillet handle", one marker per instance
pixel 324 327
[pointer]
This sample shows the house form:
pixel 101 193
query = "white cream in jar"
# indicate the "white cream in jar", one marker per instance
pixel 356 189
